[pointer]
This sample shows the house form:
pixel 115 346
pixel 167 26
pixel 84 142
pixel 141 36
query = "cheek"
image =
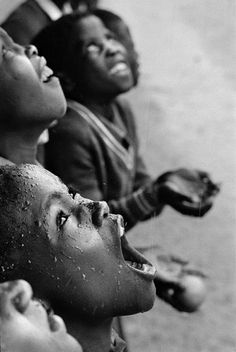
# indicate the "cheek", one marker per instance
pixel 95 69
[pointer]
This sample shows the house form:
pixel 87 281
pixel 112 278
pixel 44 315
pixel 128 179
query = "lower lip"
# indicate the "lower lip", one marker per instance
pixel 53 80
pixel 121 72
pixel 148 271
pixel 55 323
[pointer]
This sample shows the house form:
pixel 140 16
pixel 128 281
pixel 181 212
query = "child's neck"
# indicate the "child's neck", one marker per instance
pixel 104 109
pixel 19 147
pixel 93 336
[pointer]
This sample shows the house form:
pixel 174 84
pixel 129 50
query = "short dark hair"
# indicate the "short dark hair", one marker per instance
pixel 16 219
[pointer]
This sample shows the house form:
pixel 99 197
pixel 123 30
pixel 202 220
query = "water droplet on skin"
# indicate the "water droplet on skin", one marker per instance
pixel 81 250
pixel 55 259
pixel 78 267
pixel 29 261
pixel 83 276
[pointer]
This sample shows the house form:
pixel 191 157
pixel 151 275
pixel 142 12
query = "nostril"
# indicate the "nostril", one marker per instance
pixel 31 50
pixel 99 213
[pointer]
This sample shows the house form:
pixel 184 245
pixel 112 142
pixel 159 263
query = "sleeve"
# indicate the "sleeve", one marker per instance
pixel 71 154
pixel 137 206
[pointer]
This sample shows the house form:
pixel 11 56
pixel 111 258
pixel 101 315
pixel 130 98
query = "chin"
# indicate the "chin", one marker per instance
pixel 58 110
pixel 146 299
pixel 141 301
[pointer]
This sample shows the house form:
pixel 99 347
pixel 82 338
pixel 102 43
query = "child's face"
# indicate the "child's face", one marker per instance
pixel 26 326
pixel 124 36
pixel 76 254
pixel 105 65
pixel 28 91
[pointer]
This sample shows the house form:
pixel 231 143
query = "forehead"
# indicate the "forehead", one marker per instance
pixel 90 27
pixel 42 181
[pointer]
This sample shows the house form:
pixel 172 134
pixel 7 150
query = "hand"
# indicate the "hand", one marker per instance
pixel 179 285
pixel 190 192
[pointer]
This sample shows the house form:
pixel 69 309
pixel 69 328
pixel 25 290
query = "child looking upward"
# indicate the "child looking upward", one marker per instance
pixel 73 252
pixel 25 325
pixel 95 146
pixel 31 98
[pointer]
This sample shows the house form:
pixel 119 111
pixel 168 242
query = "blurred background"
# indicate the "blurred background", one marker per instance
pixel 186 112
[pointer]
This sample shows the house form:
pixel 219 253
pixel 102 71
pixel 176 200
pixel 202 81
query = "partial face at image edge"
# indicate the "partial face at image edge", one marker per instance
pixel 25 325
pixel 29 92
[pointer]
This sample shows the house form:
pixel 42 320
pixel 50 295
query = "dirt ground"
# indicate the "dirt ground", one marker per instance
pixel 185 107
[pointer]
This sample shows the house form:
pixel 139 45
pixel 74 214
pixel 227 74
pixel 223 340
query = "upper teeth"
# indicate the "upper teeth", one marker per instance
pixel 135 265
pixel 122 231
pixel 47 72
pixel 118 67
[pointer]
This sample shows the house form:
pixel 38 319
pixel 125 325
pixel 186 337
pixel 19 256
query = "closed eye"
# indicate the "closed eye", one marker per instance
pixel 61 220
pixel 94 48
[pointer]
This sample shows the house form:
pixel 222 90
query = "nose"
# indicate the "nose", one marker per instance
pixel 112 47
pixel 31 50
pixel 15 294
pixel 100 211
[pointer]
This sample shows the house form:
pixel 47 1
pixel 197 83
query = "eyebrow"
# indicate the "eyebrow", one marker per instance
pixel 51 197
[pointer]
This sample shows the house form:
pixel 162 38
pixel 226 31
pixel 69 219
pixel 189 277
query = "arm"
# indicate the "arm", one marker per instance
pixel 71 154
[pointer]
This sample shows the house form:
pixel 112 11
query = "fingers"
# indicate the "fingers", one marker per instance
pixel 169 192
pixel 192 209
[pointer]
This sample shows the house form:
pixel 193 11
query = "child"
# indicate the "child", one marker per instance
pixel 73 252
pixel 95 147
pixel 31 98
pixel 25 325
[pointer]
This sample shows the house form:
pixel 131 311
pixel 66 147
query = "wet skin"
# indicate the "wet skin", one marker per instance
pixel 103 61
pixel 26 326
pixel 29 92
pixel 73 251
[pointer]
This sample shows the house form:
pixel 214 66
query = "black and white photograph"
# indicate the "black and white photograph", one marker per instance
pixel 117 176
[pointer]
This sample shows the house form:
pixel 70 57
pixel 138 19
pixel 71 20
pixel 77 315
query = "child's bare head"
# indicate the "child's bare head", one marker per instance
pixel 25 325
pixel 29 93
pixel 84 52
pixel 70 249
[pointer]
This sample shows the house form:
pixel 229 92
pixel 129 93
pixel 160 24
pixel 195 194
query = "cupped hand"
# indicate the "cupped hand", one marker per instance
pixel 190 192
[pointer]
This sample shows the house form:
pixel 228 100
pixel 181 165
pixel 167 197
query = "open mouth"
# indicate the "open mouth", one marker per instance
pixel 135 260
pixel 47 74
pixel 119 68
